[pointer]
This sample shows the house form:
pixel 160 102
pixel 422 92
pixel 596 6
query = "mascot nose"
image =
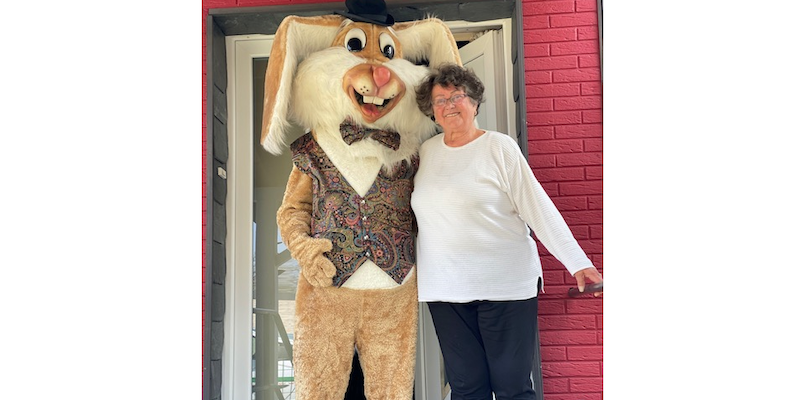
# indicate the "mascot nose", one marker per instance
pixel 381 75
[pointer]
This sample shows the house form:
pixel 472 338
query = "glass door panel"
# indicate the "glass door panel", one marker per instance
pixel 274 271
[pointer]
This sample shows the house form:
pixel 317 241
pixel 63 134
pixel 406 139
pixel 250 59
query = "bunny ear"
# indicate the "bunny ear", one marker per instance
pixel 429 39
pixel 296 38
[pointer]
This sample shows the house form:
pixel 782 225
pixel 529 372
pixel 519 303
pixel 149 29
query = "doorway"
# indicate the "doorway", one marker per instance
pixel 262 276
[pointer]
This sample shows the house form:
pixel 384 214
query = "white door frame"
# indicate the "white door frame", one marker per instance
pixel 237 347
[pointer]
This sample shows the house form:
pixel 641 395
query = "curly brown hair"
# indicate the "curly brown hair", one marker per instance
pixel 449 75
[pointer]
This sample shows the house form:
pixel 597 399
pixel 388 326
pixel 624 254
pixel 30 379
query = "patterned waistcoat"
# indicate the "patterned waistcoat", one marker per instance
pixel 377 226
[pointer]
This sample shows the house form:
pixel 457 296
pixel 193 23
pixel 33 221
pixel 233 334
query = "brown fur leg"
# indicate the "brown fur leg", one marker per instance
pixel 387 341
pixel 324 341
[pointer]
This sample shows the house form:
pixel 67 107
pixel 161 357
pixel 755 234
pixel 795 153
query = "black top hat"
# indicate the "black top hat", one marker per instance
pixel 370 11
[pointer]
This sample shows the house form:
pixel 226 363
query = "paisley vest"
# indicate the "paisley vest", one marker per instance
pixel 378 226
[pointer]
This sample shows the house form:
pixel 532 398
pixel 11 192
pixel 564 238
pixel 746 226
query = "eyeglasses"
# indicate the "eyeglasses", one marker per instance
pixel 457 99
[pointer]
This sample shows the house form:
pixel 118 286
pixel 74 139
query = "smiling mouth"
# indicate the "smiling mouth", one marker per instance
pixel 372 107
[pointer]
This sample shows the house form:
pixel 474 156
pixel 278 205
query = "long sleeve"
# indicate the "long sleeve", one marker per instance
pixel 539 212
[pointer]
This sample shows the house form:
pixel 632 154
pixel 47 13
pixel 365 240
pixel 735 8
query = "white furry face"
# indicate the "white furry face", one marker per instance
pixel 321 100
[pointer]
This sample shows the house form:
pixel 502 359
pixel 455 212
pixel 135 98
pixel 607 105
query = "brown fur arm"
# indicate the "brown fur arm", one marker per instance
pixel 294 221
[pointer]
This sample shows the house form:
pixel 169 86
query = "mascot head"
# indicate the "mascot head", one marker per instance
pixel 355 70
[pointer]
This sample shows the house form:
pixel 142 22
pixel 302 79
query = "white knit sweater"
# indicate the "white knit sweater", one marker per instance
pixel 473 205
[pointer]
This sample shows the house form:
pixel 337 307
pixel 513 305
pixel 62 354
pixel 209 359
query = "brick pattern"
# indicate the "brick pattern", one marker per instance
pixel 565 130
pixel 565 143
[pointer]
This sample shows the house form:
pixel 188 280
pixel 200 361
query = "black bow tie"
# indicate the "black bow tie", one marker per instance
pixel 352 133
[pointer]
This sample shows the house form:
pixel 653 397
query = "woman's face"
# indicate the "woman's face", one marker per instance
pixel 452 108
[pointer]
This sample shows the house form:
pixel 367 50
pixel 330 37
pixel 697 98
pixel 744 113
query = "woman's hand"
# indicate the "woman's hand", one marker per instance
pixel 593 274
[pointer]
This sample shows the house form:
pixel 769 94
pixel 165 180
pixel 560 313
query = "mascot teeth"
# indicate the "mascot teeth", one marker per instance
pixel 370 100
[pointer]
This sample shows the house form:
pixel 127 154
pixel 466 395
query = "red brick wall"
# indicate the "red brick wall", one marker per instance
pixel 565 143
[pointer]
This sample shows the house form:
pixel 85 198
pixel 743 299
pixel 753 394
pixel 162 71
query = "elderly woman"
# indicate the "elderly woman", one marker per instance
pixel 476 199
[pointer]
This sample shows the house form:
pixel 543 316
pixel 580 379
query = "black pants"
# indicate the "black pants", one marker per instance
pixel 355 389
pixel 488 346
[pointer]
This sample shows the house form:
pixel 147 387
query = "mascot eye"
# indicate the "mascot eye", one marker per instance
pixel 387 46
pixel 388 51
pixel 355 40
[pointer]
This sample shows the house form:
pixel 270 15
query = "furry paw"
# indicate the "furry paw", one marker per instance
pixel 318 269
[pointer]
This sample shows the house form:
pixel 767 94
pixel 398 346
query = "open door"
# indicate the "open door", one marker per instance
pixel 484 55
